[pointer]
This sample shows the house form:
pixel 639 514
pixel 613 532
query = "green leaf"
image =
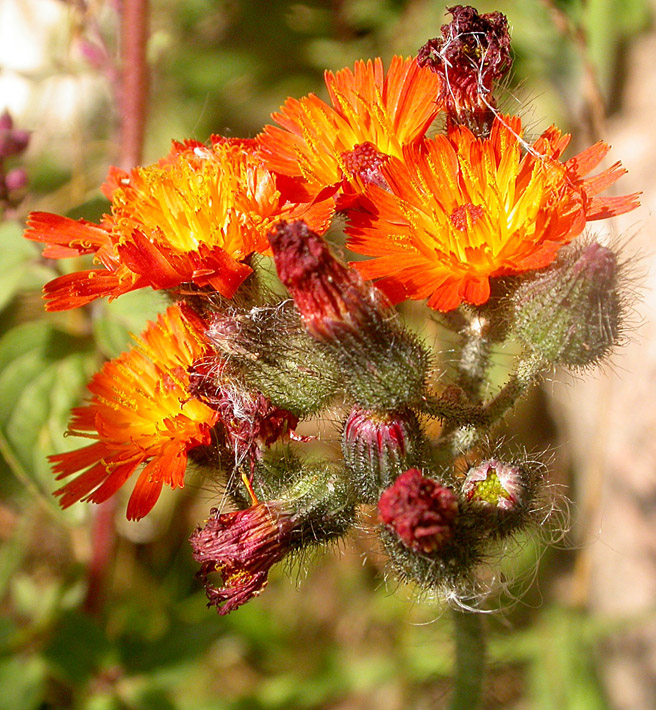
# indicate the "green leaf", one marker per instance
pixel 16 255
pixel 123 316
pixel 43 371
pixel 78 648
pixel 22 682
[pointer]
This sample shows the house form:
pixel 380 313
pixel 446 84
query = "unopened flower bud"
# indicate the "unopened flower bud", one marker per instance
pixel 471 55
pixel 379 446
pixel 495 484
pixel 16 180
pixel 420 511
pixel 242 546
pixel 570 313
pixel 272 352
pixel 384 364
pixel 501 495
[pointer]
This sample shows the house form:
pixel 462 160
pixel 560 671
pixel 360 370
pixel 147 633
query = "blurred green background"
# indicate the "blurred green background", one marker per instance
pixel 330 633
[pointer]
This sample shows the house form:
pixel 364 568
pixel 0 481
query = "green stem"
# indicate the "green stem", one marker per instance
pixel 465 431
pixel 470 660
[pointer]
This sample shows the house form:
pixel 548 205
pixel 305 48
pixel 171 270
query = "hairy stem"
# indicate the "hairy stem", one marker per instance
pixel 460 436
pixel 469 662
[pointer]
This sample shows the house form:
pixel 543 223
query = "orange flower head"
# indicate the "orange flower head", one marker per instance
pixel 196 216
pixel 371 116
pixel 461 209
pixel 140 412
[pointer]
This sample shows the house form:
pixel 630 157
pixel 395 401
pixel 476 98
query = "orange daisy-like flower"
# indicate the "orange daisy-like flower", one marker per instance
pixel 372 116
pixel 196 216
pixel 141 412
pixel 460 210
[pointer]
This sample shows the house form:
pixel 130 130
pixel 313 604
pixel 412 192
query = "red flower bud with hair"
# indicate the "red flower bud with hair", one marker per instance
pixel 331 297
pixel 378 446
pixel 419 510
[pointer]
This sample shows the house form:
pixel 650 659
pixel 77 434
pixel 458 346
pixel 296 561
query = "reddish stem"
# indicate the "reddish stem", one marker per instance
pixel 103 539
pixel 133 102
pixel 134 81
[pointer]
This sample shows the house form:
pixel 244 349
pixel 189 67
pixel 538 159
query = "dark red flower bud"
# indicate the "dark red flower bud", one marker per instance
pixel 12 141
pixel 470 56
pixel 331 297
pixel 419 510
pixel 16 180
pixel 379 446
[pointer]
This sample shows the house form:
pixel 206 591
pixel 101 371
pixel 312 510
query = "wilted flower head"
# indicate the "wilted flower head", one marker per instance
pixel 242 547
pixel 470 56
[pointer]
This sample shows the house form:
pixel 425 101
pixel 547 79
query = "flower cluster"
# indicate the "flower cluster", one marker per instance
pixel 450 202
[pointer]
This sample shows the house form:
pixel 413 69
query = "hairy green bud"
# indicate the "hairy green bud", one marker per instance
pixel 271 351
pixel 571 312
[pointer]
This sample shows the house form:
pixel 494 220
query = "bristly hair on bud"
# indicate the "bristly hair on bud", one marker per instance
pixel 384 364
pixel 268 348
pixel 471 55
pixel 426 538
pixel 572 312
pixel 379 446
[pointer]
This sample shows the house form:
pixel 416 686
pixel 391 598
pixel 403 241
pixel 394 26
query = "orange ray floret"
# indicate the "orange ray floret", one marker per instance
pixel 372 116
pixel 461 209
pixel 196 216
pixel 140 412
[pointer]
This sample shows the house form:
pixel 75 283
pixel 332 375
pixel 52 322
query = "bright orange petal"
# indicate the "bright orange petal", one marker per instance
pixel 459 210
pixel 140 413
pixel 196 217
pixel 367 106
